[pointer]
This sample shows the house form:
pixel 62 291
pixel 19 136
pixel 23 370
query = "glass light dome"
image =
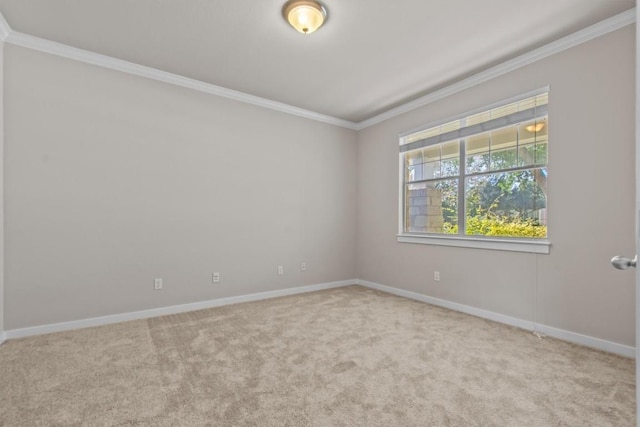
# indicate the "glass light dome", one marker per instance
pixel 305 16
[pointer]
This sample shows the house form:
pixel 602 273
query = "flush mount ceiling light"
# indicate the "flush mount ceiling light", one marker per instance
pixel 305 16
pixel 535 128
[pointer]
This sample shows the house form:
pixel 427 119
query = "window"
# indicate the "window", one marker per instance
pixel 481 176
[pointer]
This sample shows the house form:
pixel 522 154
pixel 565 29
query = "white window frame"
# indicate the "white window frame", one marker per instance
pixel 539 246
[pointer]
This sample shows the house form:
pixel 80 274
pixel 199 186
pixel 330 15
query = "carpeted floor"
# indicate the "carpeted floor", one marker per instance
pixel 343 357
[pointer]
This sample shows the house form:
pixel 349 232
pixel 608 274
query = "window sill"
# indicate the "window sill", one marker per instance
pixel 531 246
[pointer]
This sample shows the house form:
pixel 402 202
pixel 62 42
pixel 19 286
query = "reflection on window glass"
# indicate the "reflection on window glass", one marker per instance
pixel 433 162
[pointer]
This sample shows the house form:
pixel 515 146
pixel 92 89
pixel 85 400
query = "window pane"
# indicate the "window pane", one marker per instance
pixel 413 166
pixel 450 167
pixel 507 204
pixel 504 152
pixel 413 157
pixel 431 170
pixel 438 130
pixel 533 131
pixel 478 149
pixel 431 153
pixel 533 154
pixel 450 164
pixel 431 157
pixel 437 161
pixel 504 138
pixel 431 207
pixel 479 144
pixel 541 153
pixel 504 159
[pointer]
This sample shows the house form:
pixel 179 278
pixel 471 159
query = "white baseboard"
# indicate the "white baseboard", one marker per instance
pixel 587 341
pixel 564 335
pixel 163 311
pixel 573 337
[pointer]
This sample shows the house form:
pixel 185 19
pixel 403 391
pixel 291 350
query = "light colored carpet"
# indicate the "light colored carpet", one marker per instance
pixel 343 357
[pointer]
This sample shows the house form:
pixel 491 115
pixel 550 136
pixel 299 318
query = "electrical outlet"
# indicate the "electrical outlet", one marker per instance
pixel 436 276
pixel 215 277
pixel 280 270
pixel 303 266
pixel 157 284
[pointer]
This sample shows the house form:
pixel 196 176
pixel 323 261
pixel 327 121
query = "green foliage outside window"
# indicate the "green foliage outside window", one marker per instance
pixel 500 226
pixel 504 204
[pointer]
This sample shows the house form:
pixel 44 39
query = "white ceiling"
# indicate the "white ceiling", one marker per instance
pixel 372 55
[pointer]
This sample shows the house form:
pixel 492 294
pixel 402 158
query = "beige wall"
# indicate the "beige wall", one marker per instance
pixel 113 180
pixel 591 200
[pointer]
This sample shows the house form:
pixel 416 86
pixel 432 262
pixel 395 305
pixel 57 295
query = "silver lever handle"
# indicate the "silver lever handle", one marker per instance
pixel 622 263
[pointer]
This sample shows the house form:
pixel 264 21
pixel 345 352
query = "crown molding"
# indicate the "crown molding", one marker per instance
pixel 47 46
pixel 601 28
pixel 69 52
pixel 5 30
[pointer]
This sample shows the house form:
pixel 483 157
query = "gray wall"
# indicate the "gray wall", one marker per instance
pixel 113 180
pixel 1 191
pixel 591 200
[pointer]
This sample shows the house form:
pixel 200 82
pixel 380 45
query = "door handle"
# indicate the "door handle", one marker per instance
pixel 622 263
